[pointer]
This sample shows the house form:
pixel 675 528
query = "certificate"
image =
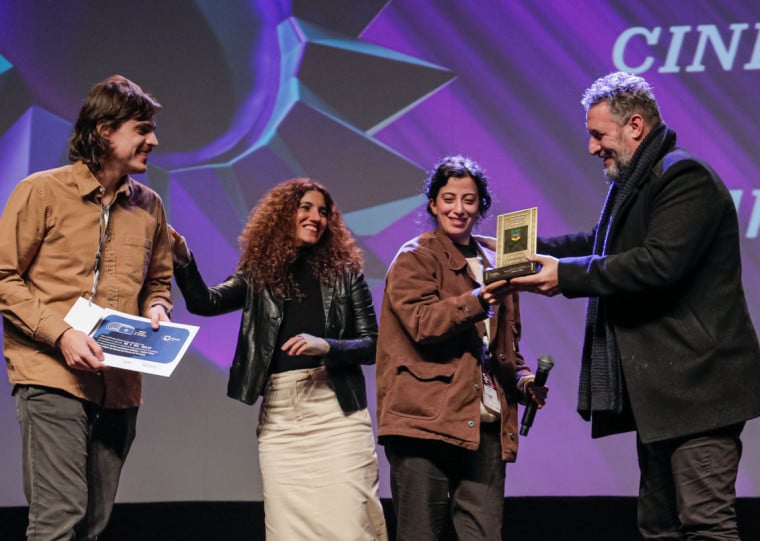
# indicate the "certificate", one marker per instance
pixel 516 236
pixel 129 342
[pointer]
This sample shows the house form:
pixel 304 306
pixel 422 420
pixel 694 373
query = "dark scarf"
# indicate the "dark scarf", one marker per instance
pixel 601 380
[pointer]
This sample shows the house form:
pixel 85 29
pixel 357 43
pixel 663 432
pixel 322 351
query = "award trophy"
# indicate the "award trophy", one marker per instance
pixel 515 238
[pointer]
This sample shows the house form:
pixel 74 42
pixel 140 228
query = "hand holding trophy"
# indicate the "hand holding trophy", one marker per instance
pixel 515 238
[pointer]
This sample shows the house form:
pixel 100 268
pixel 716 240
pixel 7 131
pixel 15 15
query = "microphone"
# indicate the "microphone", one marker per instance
pixel 545 363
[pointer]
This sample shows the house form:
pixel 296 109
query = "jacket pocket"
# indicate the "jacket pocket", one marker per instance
pixel 420 389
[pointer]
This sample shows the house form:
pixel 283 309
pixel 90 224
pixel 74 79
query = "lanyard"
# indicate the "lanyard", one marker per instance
pixel 476 265
pixel 105 213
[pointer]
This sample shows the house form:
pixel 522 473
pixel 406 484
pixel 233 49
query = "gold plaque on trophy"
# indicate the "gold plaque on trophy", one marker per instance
pixel 515 238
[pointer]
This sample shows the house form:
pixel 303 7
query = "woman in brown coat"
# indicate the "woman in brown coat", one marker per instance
pixel 449 370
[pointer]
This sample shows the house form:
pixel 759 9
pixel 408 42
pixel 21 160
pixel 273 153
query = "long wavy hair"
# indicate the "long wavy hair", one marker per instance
pixel 268 242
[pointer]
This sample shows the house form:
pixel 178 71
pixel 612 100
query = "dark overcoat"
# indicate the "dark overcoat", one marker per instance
pixel 673 288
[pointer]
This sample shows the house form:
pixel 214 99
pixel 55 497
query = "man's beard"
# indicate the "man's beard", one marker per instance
pixel 620 168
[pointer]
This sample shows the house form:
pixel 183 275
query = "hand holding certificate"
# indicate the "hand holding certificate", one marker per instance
pixel 129 342
pixel 515 238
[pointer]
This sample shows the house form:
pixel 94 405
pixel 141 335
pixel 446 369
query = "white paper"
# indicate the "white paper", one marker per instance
pixel 129 342
pixel 84 315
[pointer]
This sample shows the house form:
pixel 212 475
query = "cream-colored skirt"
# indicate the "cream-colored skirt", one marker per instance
pixel 318 465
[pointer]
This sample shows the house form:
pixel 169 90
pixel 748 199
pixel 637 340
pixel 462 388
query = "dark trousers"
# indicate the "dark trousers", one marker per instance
pixel 432 481
pixel 73 453
pixel 687 488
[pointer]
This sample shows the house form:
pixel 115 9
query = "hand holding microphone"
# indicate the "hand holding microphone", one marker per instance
pixel 545 363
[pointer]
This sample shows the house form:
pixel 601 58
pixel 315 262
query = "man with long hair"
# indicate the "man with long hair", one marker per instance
pixel 84 229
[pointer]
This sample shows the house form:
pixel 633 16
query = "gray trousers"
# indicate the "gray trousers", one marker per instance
pixel 72 456
pixel 433 482
pixel 687 487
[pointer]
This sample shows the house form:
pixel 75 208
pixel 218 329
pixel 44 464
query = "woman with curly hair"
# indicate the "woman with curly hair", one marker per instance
pixel 308 325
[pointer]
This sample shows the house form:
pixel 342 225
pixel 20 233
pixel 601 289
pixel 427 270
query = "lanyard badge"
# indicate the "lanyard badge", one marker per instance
pixel 490 395
pixel 105 213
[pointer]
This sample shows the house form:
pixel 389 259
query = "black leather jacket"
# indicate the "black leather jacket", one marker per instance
pixel 350 328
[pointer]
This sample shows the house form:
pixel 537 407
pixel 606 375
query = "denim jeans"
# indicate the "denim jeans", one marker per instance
pixel 72 456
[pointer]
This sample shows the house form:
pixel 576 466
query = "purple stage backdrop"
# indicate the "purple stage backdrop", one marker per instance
pixel 365 96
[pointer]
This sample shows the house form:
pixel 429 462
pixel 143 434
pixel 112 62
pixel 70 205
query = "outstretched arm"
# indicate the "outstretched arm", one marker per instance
pixel 199 298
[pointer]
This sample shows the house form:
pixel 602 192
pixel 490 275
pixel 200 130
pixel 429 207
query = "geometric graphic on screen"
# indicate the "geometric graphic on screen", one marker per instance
pixel 4 64
pixel 334 91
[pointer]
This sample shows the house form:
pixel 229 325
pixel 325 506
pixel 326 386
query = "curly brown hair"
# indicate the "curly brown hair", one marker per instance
pixel 268 241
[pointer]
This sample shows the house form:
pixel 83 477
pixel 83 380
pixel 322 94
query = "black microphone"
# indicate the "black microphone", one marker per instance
pixel 545 363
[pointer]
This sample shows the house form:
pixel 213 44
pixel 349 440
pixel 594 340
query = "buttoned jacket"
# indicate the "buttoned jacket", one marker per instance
pixel 429 380
pixel 50 231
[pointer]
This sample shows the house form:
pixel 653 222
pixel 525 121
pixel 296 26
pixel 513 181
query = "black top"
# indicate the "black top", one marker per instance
pixel 300 316
pixel 469 250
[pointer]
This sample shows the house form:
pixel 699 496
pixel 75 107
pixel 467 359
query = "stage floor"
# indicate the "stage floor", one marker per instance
pixel 598 518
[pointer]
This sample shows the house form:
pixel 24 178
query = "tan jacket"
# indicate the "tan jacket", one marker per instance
pixel 429 382
pixel 49 234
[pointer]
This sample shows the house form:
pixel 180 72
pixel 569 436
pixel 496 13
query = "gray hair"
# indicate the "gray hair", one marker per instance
pixel 626 95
